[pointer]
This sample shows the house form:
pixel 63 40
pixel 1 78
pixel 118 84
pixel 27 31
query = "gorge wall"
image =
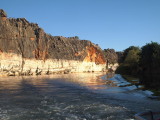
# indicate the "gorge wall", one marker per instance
pixel 112 58
pixel 26 49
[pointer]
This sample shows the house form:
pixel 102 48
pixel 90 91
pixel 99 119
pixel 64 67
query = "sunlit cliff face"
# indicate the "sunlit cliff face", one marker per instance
pixel 94 55
pixel 26 48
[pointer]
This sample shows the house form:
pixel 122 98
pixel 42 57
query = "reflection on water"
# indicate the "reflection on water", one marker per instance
pixel 61 97
pixel 92 81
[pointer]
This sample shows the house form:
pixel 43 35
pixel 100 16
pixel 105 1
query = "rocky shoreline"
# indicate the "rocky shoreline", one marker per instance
pixel 6 73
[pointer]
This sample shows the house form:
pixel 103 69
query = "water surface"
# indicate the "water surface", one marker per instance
pixel 82 96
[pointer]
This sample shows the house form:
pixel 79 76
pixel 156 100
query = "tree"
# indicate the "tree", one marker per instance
pixel 132 57
pixel 130 62
pixel 125 53
pixel 150 64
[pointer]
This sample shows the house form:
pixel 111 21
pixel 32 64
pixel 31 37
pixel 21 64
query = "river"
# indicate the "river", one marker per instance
pixel 83 96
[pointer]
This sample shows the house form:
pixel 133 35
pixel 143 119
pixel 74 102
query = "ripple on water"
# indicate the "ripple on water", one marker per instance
pixel 53 108
pixel 61 97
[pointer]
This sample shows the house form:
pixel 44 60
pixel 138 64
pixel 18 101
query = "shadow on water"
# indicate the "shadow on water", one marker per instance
pixel 72 97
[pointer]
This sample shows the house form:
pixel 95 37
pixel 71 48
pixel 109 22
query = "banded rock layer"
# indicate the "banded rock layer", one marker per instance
pixel 25 47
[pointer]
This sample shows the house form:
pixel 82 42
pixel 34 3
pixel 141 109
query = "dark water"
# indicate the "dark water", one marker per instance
pixel 69 97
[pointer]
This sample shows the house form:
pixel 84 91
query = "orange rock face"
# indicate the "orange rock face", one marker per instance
pixel 40 55
pixel 4 18
pixel 93 55
pixel 1 51
pixel 32 38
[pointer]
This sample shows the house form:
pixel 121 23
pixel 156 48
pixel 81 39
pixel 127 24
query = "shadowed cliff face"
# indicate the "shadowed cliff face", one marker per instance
pixel 26 47
pixel 111 56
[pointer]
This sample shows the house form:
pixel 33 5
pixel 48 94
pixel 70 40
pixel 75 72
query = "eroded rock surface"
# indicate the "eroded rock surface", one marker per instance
pixel 112 58
pixel 25 46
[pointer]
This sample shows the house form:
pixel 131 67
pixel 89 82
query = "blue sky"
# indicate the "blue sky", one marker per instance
pixel 115 24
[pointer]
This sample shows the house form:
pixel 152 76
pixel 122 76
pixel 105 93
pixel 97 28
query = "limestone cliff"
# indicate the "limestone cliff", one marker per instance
pixel 25 47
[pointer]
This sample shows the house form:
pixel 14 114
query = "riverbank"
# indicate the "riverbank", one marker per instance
pixel 133 84
pixel 135 81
